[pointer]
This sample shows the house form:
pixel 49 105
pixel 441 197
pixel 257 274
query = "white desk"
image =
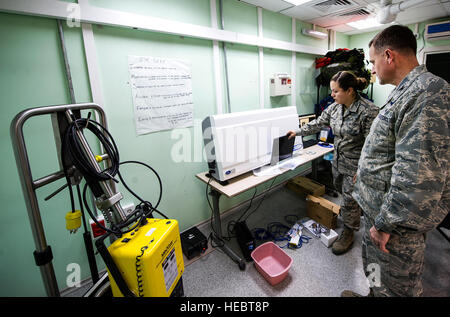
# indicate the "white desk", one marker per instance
pixel 244 182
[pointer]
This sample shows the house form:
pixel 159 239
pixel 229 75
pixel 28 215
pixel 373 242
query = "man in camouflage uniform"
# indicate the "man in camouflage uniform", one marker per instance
pixel 402 178
pixel 350 118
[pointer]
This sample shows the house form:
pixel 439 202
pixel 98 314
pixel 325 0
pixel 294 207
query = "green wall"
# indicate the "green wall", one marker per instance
pixel 32 74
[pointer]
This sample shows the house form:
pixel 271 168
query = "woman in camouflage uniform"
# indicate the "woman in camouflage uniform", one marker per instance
pixel 350 118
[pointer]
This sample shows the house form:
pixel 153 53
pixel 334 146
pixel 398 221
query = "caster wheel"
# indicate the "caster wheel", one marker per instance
pixel 242 265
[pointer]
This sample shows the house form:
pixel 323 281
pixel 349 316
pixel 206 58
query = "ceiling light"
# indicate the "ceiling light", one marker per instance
pixel 314 33
pixel 364 24
pixel 297 2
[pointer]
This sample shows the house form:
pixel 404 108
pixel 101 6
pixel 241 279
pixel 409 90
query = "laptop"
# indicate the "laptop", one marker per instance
pixel 308 143
pixel 282 149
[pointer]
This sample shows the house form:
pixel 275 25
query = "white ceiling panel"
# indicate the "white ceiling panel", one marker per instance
pixel 303 13
pixel 271 5
pixel 343 28
pixel 335 14
pixel 334 6
pixel 342 17
pixel 320 8
pixel 446 6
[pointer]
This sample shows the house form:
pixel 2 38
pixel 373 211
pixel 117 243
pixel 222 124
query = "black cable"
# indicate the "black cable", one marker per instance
pixel 159 212
pixel 66 174
pixel 213 231
pixel 150 209
pixel 144 202
pixel 277 230
pixel 81 208
pixel 76 152
pixel 72 200
pixel 139 215
pixel 262 199
pixel 230 229
pixel 249 206
pixel 138 265
pixel 132 192
pixel 261 234
pixel 207 197
pixel 232 223
pixel 88 209
pixel 71 145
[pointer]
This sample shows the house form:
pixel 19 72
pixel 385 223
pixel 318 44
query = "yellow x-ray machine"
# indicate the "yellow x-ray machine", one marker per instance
pixel 144 256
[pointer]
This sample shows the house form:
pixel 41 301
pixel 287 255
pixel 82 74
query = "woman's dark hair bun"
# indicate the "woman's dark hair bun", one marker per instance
pixel 347 79
pixel 361 83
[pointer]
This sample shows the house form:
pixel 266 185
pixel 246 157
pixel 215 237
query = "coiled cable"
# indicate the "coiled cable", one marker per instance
pixel 140 283
pixel 72 146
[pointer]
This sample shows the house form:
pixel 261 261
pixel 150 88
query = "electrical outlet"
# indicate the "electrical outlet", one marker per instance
pixel 128 208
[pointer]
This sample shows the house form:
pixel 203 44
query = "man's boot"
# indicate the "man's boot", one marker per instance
pixel 344 241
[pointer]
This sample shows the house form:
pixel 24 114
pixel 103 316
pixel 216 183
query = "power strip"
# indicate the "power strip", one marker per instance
pixel 295 233
pixel 294 241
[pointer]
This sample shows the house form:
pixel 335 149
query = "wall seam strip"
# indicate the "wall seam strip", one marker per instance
pixel 95 15
pixel 216 60
pixel 294 66
pixel 261 60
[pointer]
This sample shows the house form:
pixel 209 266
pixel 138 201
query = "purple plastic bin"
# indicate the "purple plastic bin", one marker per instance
pixel 272 262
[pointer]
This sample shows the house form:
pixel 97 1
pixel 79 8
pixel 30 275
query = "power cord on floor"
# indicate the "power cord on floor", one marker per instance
pixel 275 231
pixel 279 234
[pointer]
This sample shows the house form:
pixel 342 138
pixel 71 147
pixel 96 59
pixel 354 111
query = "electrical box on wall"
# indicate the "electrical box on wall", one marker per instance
pixel 280 85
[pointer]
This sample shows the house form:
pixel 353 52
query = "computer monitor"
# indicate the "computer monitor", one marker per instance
pixel 308 140
pixel 436 62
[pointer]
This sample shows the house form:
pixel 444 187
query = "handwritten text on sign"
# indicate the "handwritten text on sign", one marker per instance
pixel 162 93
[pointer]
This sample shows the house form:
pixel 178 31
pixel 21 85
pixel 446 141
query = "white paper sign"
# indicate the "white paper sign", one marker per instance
pixel 162 93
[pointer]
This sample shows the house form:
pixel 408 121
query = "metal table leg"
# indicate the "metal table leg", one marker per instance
pixel 217 231
pixel 314 169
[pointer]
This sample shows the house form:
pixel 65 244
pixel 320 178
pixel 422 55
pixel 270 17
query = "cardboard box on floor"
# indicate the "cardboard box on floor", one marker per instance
pixel 306 186
pixel 323 211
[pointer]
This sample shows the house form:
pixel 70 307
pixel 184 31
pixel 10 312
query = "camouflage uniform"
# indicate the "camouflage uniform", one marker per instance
pixel 350 127
pixel 402 181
